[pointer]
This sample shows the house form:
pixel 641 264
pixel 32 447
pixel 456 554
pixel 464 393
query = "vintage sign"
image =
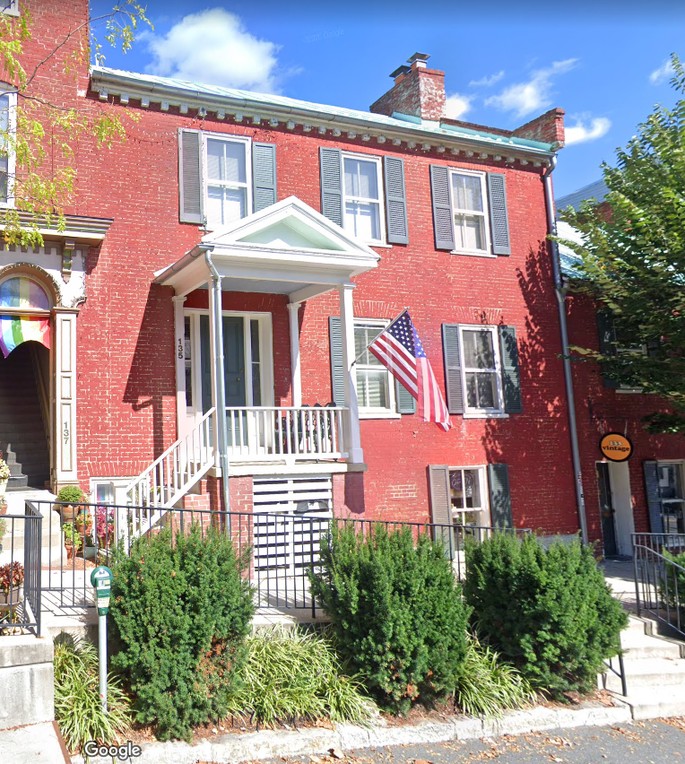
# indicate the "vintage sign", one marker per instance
pixel 616 447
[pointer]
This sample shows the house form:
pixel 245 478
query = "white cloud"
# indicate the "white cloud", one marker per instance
pixel 457 105
pixel 214 47
pixel 663 73
pixel 582 132
pixel 533 95
pixel 487 82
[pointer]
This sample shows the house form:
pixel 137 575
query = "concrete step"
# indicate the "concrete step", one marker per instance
pixel 655 702
pixel 649 673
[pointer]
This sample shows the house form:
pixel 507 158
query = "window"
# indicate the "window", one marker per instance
pixel 375 393
pixel 223 178
pixel 470 211
pixel 362 199
pixel 8 102
pixel 10 7
pixel 614 340
pixel 481 370
pixel 468 496
pixel 365 195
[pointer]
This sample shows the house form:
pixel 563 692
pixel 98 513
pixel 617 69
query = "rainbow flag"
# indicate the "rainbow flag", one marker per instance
pixel 15 329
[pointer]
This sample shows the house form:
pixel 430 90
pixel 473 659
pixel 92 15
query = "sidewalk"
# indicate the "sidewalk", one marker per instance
pixel 35 744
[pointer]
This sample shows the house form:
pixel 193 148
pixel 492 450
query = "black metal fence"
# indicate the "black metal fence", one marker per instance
pixel 282 547
pixel 659 578
pixel 20 572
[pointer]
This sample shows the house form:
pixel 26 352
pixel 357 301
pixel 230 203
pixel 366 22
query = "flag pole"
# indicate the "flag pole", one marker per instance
pixel 384 329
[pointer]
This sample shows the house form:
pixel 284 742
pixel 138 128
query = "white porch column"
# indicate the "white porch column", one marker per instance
pixel 352 434
pixel 180 356
pixel 295 369
pixel 216 364
pixel 64 414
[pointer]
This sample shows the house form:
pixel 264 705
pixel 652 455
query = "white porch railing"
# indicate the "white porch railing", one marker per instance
pixel 285 433
pixel 168 479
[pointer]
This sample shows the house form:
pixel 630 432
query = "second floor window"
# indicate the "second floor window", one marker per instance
pixel 227 173
pixel 362 197
pixel 469 212
pixel 8 102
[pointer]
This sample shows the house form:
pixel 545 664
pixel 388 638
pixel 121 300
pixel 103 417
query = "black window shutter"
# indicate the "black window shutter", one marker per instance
pixel 606 331
pixel 190 177
pixel 263 175
pixel 406 403
pixel 337 369
pixel 500 498
pixel 442 208
pixel 452 359
pixel 499 219
pixel 331 185
pixel 653 496
pixel 395 201
pixel 441 507
pixel 511 378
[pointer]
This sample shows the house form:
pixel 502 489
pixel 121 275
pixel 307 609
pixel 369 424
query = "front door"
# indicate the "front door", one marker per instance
pixel 607 510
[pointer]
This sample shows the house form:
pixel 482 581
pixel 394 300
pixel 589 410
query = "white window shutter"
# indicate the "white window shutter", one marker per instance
pixel 190 177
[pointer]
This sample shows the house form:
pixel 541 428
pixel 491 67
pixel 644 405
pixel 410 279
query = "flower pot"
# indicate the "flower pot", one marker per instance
pixel 3 486
pixel 10 600
pixel 70 549
pixel 68 513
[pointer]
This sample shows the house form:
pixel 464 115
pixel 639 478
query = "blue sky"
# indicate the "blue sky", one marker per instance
pixel 603 61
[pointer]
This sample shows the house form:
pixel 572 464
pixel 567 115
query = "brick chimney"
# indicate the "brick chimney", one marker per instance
pixel 548 128
pixel 417 92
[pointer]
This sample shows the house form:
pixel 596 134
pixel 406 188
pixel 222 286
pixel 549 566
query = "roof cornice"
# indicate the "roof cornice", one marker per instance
pixel 281 112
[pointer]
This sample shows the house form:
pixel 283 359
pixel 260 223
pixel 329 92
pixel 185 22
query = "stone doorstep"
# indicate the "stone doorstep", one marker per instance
pixel 347 737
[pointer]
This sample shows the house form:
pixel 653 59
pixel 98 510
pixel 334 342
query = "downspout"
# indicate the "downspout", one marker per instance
pixel 560 292
pixel 220 402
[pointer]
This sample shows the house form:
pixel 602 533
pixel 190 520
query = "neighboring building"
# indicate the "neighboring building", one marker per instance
pixel 646 492
pixel 305 228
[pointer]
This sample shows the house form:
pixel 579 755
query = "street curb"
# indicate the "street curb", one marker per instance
pixel 346 737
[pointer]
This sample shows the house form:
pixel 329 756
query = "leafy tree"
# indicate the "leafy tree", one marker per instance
pixel 633 260
pixel 42 132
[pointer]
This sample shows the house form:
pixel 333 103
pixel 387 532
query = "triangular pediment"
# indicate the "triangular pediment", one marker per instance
pixel 289 225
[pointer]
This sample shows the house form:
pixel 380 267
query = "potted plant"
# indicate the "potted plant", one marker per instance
pixel 104 526
pixel 83 522
pixel 69 497
pixel 3 505
pixel 4 475
pixel 11 586
pixel 72 539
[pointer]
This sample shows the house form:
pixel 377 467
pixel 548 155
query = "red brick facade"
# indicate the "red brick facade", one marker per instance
pixel 126 336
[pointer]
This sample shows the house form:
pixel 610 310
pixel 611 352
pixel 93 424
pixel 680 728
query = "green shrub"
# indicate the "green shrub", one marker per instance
pixel 549 612
pixel 397 614
pixel 291 675
pixel 70 494
pixel 672 581
pixel 487 685
pixel 180 614
pixel 77 697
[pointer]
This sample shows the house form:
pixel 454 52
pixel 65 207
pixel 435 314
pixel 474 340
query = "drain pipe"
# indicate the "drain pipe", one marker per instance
pixel 220 388
pixel 560 292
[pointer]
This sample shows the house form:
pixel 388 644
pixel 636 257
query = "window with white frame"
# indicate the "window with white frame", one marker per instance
pixel 8 102
pixel 227 179
pixel 362 197
pixel 481 370
pixel 375 388
pixel 469 212
pixel 10 7
pixel 469 496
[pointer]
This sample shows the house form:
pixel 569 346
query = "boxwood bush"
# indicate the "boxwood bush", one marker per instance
pixel 397 613
pixel 549 612
pixel 180 613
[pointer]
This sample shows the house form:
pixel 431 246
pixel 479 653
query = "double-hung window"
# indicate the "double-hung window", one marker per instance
pixel 375 390
pixel 468 496
pixel 223 178
pixel 8 102
pixel 227 174
pixel 470 211
pixel 481 370
pixel 362 204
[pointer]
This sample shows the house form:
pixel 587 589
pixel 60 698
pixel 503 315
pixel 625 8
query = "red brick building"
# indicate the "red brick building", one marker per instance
pixel 273 239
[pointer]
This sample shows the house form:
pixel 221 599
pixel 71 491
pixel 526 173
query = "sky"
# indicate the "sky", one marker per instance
pixel 606 63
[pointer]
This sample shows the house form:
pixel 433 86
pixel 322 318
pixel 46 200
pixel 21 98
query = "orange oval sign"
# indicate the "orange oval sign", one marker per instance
pixel 615 447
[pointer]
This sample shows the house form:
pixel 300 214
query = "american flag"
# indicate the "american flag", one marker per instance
pixel 399 348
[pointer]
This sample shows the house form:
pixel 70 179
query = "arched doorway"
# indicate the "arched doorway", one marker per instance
pixel 25 341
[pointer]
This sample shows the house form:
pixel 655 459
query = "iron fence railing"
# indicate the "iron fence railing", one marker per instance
pixel 659 578
pixel 20 560
pixel 281 547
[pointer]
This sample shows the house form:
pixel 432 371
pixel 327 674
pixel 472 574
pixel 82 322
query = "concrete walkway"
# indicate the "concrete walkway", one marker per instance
pixel 35 744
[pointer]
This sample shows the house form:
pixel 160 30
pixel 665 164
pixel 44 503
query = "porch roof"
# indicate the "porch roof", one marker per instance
pixel 287 248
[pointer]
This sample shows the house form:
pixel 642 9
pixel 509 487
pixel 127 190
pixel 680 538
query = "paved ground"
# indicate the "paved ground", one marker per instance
pixel 653 742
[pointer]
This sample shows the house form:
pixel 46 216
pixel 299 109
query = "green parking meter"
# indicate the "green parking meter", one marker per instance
pixel 101 579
